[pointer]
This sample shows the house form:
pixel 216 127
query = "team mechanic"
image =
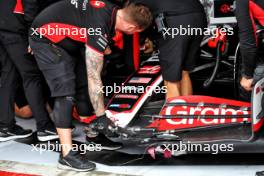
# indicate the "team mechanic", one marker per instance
pixel 177 53
pixel 55 59
pixel 22 109
pixel 248 13
pixel 83 104
pixel 15 20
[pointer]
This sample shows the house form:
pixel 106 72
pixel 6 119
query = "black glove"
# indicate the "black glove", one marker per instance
pixel 102 124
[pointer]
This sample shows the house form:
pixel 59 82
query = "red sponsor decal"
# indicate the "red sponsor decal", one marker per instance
pixel 97 4
pixel 149 70
pixel 126 96
pixel 185 123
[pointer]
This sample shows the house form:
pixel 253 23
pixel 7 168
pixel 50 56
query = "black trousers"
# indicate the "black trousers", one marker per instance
pixel 15 61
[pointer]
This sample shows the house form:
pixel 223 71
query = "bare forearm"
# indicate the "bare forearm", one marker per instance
pixel 96 96
pixel 94 63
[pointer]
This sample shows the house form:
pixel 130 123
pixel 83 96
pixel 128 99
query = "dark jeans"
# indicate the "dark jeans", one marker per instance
pixel 16 61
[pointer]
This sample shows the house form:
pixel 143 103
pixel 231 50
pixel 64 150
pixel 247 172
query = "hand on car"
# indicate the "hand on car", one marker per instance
pixel 246 83
pixel 102 124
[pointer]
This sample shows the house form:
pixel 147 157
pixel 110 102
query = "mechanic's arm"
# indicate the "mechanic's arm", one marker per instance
pixel 248 42
pixel 94 65
pixel 31 9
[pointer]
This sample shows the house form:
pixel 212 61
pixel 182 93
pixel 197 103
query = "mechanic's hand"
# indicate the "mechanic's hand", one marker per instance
pixel 30 50
pixel 148 46
pixel 102 124
pixel 246 83
pixel 108 51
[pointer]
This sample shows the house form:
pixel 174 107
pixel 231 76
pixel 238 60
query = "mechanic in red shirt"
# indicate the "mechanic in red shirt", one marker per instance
pixel 56 35
pixel 248 13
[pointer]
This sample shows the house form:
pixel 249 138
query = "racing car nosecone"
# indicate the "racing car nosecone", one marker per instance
pixel 189 119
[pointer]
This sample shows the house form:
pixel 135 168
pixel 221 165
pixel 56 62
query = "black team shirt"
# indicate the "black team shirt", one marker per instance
pixel 72 23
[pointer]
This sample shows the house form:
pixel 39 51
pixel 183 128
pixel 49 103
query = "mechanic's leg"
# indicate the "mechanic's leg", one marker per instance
pixel 193 53
pixel 58 69
pixel 186 84
pixel 23 112
pixel 32 78
pixel 8 86
pixel 22 108
pixel 173 51
pixel 180 88
pixel 63 121
pixel 173 89
pixel 65 136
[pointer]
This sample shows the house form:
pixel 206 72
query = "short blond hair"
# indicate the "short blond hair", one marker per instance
pixel 139 14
